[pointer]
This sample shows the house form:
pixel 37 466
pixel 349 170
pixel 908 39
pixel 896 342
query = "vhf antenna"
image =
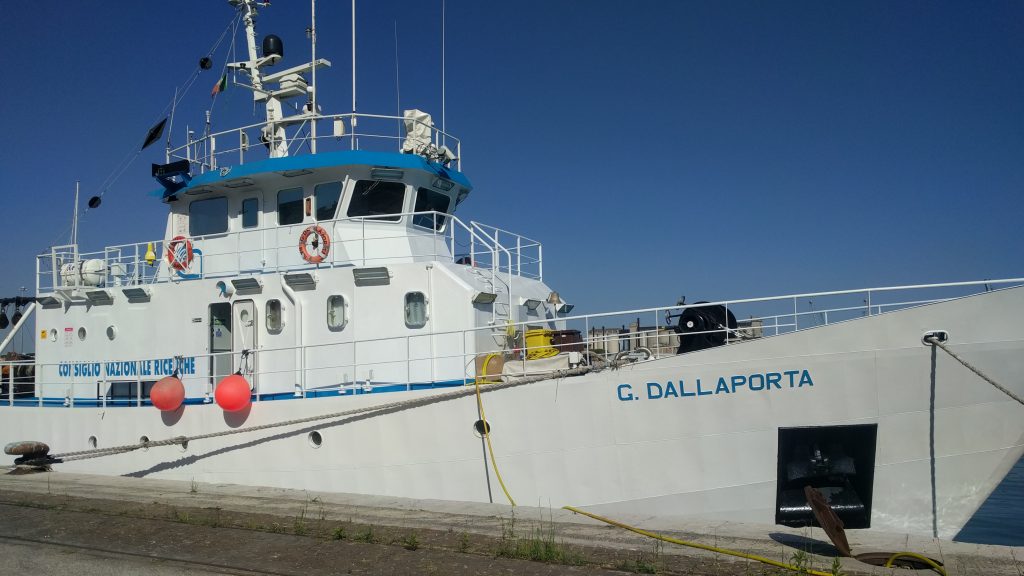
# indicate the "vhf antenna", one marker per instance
pixel 354 74
pixel 444 132
pixel 398 88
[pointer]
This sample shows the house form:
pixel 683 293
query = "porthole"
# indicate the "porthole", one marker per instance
pixel 53 334
pixel 111 332
pixel 274 316
pixel 92 441
pixel 315 439
pixel 415 310
pixel 481 428
pixel 336 317
pixel 81 333
pixel 144 440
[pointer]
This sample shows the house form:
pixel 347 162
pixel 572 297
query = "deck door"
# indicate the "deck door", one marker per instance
pixel 220 341
pixel 244 338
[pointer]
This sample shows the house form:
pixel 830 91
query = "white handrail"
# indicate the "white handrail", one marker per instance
pixel 122 264
pixel 639 337
pixel 188 151
pixel 804 295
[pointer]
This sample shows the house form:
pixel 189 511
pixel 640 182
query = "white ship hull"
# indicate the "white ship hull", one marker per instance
pixel 643 439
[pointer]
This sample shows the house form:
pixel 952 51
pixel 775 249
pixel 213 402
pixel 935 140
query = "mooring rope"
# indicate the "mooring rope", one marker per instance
pixel 382 408
pixel 935 341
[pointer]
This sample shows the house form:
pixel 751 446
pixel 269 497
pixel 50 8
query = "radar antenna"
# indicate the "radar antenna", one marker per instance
pixel 290 81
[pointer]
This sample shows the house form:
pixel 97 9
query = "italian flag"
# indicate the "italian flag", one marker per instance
pixel 220 86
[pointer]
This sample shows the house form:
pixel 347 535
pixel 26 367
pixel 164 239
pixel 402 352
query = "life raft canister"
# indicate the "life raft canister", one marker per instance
pixel 316 250
pixel 179 253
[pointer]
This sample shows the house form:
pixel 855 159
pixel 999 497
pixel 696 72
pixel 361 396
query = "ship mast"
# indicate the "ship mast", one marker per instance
pixel 249 19
pixel 290 82
pixel 273 134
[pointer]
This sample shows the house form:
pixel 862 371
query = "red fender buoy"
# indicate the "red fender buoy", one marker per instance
pixel 233 393
pixel 167 394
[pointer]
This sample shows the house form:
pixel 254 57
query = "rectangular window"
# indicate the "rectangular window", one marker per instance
pixel 336 317
pixel 429 201
pixel 250 213
pixel 327 196
pixel 208 216
pixel 415 310
pixel 127 390
pixel 273 316
pixel 377 198
pixel 289 206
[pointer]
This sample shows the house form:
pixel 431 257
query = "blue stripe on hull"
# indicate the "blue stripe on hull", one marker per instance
pixel 321 393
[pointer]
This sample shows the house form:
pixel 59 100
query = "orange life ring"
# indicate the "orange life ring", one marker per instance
pixel 176 260
pixel 321 244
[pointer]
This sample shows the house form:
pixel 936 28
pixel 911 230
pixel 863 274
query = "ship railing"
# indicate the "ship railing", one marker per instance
pixel 360 241
pixel 414 361
pixel 312 133
pixel 526 255
pixel 17 381
pixel 656 330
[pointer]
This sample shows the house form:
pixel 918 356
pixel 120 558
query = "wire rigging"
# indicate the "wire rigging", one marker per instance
pixel 126 162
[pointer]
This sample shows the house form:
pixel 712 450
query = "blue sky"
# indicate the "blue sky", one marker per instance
pixel 717 149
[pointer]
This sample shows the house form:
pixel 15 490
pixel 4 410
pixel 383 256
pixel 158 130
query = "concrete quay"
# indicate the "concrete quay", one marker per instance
pixel 57 523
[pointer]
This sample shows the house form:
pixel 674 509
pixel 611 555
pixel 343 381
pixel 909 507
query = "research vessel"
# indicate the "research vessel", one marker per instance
pixel 318 315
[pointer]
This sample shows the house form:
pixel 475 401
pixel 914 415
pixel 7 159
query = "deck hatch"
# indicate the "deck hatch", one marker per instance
pixel 135 295
pixel 48 302
pixel 378 276
pixel 99 297
pixel 247 285
pixel 301 280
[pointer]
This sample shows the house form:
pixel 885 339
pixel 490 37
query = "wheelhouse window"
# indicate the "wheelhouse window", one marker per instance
pixel 273 316
pixel 429 201
pixel 327 196
pixel 377 199
pixel 336 317
pixel 289 206
pixel 250 213
pixel 208 216
pixel 415 310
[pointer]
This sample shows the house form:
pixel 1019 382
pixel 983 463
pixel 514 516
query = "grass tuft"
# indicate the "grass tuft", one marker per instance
pixel 411 542
pixel 539 545
pixel 366 536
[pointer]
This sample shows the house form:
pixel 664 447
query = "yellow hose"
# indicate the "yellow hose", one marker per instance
pixel 540 353
pixel 935 566
pixel 483 378
pixel 671 540
pixel 486 432
pixel 924 559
